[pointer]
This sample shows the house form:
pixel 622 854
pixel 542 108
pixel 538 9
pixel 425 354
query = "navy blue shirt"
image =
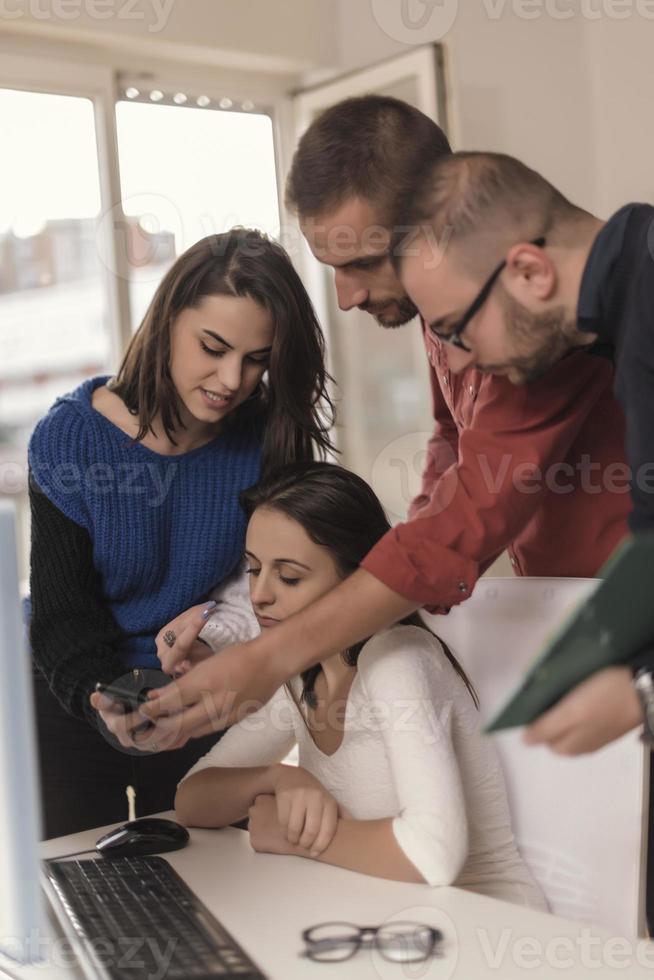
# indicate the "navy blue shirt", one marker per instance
pixel 616 301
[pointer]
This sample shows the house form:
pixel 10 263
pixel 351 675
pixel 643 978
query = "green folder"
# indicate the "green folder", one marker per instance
pixel 610 627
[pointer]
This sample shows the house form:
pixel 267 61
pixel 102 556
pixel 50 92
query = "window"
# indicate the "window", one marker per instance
pixel 186 167
pixel 53 329
pixel 187 172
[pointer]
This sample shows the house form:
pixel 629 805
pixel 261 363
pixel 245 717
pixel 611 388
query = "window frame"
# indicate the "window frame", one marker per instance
pixel 97 84
pixel 103 85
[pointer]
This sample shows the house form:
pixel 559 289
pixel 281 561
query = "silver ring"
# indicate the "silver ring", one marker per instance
pixel 153 747
pixel 169 638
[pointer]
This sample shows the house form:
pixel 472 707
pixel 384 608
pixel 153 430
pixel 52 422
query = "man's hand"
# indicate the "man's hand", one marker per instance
pixel 600 709
pixel 307 813
pixel 242 678
pixel 267 834
pixel 129 728
pixel 216 693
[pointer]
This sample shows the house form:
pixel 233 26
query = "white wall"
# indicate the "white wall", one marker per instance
pixel 284 35
pixel 244 49
pixel 572 96
pixel 622 100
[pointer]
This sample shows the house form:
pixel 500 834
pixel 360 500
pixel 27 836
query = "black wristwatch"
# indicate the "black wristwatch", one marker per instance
pixel 644 684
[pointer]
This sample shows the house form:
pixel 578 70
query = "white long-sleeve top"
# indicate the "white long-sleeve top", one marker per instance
pixel 233 619
pixel 411 751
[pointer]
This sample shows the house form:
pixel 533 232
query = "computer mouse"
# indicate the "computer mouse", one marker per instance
pixel 148 835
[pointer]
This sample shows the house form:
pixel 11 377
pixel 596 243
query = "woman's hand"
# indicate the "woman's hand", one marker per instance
pixel 132 730
pixel 307 813
pixel 266 832
pixel 178 647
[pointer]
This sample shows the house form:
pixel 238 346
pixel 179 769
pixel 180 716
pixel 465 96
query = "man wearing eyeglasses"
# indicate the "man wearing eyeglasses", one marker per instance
pixel 528 469
pixel 480 488
pixel 515 280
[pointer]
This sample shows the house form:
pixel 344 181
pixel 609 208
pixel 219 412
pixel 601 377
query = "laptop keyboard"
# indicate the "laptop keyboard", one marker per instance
pixel 136 918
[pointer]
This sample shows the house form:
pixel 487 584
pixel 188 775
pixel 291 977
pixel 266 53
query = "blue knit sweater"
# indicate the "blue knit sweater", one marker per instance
pixel 165 529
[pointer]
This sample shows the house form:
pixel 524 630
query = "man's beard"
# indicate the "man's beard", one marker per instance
pixel 538 339
pixel 402 309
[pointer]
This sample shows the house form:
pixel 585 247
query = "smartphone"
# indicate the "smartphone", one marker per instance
pixel 129 699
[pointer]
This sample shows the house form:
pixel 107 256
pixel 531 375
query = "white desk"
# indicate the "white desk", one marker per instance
pixel 265 901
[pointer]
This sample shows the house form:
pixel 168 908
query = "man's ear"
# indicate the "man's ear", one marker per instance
pixel 532 272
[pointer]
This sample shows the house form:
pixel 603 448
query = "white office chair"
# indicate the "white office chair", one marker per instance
pixel 580 823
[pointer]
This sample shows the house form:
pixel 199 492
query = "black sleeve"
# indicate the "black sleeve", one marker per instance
pixel 635 377
pixel 73 634
pixel 636 387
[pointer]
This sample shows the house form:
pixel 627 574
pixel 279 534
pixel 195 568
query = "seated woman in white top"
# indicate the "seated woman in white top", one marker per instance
pixel 394 777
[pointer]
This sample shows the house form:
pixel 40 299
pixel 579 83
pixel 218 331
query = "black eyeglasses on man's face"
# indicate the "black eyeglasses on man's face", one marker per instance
pixel 453 336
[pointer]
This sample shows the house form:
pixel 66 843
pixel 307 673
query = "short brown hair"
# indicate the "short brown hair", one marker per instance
pixel 294 409
pixel 367 147
pixel 489 198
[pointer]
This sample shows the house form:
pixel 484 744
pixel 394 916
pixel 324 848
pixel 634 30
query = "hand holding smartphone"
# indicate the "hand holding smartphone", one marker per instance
pixel 128 699
pixel 126 695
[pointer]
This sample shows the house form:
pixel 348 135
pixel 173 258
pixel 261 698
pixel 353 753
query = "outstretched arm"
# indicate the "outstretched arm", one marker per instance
pixel 509 455
pixel 211 695
pixel 477 508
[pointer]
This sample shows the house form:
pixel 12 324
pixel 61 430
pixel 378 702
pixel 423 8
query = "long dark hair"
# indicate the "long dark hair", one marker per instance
pixel 294 408
pixel 339 512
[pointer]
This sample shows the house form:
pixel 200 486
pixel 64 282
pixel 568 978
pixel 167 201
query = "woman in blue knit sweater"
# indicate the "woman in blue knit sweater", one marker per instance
pixel 135 480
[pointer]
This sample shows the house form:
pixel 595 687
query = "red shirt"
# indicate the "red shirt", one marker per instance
pixel 538 469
